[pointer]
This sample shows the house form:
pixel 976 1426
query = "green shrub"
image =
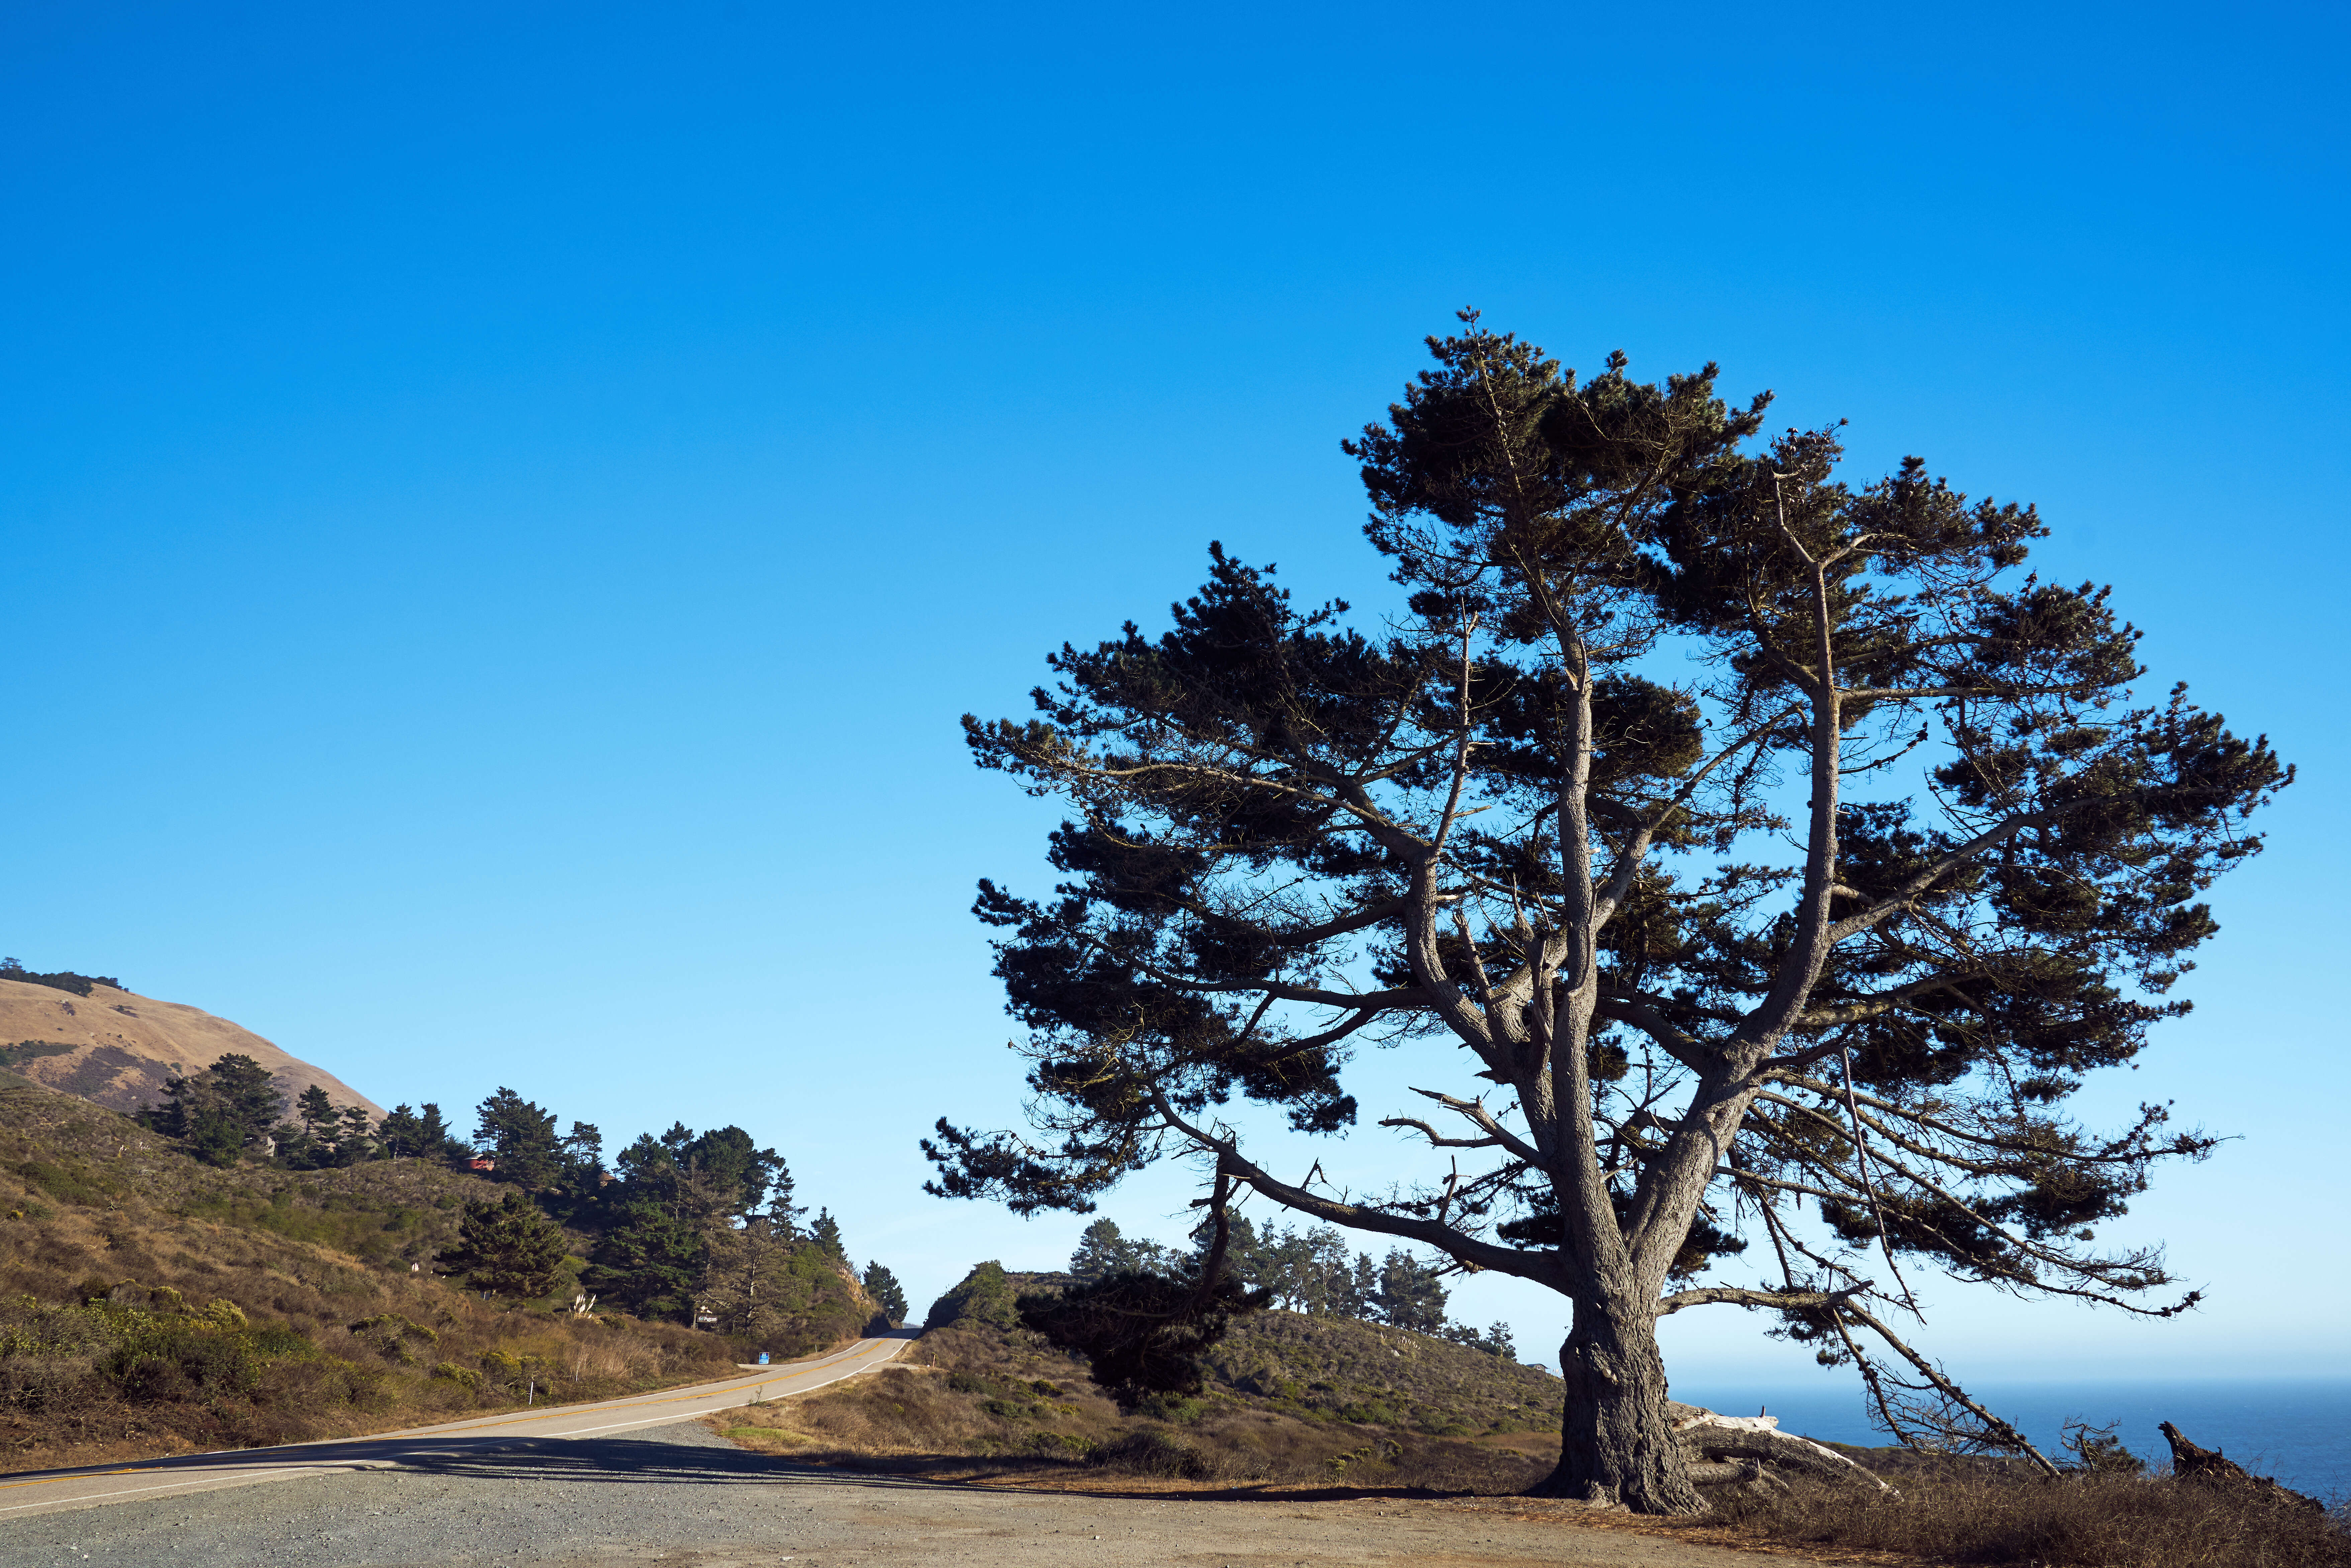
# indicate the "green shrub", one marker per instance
pixel 30 1050
pixel 394 1337
pixel 984 1294
pixel 1177 1409
pixel 68 1181
pixel 320 1381
pixel 372 1232
pixel 768 1435
pixel 1156 1454
pixel 157 1356
pixel 395 1324
pixel 1386 1451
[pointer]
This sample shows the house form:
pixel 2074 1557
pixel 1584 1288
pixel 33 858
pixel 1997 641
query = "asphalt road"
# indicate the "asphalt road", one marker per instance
pixel 626 1483
pixel 56 1491
pixel 684 1496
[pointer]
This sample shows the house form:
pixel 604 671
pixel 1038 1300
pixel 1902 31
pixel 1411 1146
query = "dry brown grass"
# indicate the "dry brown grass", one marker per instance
pixel 1975 1514
pixel 1378 1376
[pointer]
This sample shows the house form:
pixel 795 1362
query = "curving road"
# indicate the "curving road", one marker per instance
pixel 626 1483
pixel 53 1490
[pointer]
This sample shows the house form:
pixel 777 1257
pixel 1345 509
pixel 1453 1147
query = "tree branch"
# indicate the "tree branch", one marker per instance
pixel 1945 1387
pixel 1777 1301
pixel 1485 1121
pixel 1523 1265
pixel 1892 903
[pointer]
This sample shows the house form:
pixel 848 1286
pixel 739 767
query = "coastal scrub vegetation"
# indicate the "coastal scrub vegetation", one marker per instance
pixel 151 1303
pixel 1284 1395
pixel 1961 1511
pixel 1757 860
pixel 697 1227
pixel 1147 1316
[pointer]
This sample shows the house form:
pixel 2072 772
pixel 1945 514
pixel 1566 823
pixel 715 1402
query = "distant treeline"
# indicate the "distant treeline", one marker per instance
pixel 1306 1270
pixel 63 980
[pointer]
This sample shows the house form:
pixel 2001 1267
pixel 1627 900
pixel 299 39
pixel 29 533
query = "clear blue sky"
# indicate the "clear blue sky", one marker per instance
pixel 504 504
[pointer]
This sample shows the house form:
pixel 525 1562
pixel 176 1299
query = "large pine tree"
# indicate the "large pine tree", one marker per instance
pixel 1753 839
pixel 506 1247
pixel 520 1138
pixel 675 1195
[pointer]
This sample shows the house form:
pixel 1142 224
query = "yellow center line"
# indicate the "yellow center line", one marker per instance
pixel 82 1475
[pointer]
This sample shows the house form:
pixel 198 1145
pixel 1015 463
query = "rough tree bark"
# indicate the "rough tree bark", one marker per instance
pixel 1616 1444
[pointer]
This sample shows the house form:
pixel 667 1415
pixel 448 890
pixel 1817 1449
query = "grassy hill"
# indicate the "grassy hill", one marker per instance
pixel 1290 1397
pixel 150 1304
pixel 1362 1373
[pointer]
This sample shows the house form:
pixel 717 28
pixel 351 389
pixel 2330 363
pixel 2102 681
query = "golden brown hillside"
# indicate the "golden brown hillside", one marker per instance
pixel 116 1047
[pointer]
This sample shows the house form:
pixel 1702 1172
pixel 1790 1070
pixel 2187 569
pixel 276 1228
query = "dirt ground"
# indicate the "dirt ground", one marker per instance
pixel 1032 1516
pixel 1271 1530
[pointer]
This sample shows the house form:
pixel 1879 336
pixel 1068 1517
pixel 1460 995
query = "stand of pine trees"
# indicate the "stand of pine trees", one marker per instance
pixel 689 1226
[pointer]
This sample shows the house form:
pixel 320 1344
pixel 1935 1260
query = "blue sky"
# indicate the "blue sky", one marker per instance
pixel 505 503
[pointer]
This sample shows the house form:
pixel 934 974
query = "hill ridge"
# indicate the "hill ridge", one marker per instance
pixel 115 1047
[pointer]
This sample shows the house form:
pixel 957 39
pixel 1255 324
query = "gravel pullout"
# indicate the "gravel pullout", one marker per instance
pixel 684 1496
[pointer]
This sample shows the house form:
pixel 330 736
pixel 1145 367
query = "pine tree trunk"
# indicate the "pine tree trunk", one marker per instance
pixel 1614 1444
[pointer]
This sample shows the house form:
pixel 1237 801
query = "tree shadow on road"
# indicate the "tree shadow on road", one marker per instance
pixel 692 1455
pixel 639 1461
pixel 642 1460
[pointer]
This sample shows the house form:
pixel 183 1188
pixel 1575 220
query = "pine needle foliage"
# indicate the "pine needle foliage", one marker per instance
pixel 506 1247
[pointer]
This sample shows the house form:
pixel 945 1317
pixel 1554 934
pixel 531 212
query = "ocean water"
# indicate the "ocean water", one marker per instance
pixel 2297 1430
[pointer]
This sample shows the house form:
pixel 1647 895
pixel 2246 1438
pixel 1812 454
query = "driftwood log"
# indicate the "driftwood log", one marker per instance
pixel 1752 1451
pixel 2208 1467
